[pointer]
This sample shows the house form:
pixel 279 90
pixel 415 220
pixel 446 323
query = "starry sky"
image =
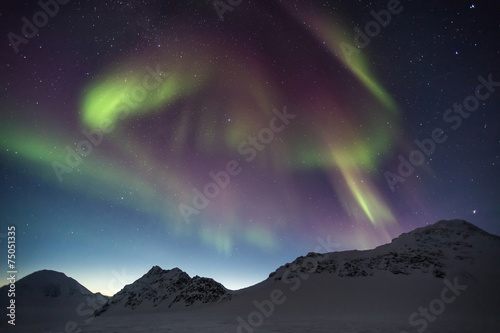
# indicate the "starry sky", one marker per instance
pixel 229 137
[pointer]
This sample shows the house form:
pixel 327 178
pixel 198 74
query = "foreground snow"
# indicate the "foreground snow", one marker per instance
pixel 442 278
pixel 177 322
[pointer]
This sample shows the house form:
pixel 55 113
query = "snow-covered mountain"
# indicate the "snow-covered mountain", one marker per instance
pixel 159 289
pixel 439 278
pixel 49 284
pixel 49 299
pixel 434 249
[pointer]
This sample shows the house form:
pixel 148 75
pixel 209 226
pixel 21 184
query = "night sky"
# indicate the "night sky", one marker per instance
pixel 226 139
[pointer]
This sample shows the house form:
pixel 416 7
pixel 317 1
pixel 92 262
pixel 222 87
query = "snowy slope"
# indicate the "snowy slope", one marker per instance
pixel 50 299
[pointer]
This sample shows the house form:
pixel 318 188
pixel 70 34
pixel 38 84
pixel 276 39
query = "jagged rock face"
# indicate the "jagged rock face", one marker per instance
pixel 396 263
pixel 161 287
pixel 419 250
pixel 202 290
pixel 154 287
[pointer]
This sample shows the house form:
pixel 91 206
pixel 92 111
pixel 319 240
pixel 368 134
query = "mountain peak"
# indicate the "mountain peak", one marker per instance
pixel 50 284
pixel 158 270
pixel 162 289
pixel 445 230
pixel 155 270
pixel 451 225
